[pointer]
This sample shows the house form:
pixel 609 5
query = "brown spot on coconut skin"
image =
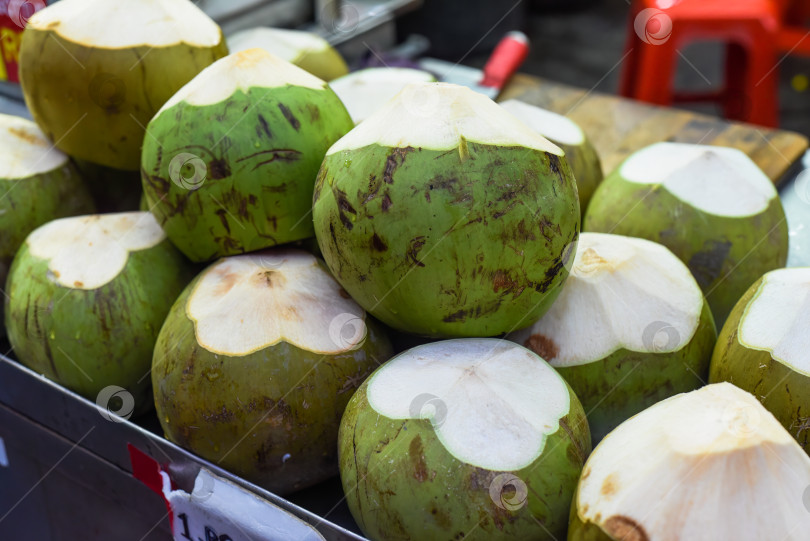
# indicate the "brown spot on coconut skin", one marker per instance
pixel 378 244
pixel 543 346
pixel 413 251
pixel 625 529
pixel 289 116
pixel 610 486
pixel 417 454
pixel 707 264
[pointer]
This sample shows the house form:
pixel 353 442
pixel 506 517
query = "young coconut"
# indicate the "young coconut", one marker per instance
pixel 567 135
pixel 474 438
pixel 763 348
pixel 366 91
pixel 712 206
pixel 649 333
pixel 86 298
pixel 306 50
pixel 707 465
pixel 38 184
pixel 230 160
pixel 444 215
pixel 93 72
pixel 256 362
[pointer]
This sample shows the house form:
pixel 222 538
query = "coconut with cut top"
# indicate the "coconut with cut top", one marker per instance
pixel 566 134
pixel 630 328
pixel 86 298
pixel 365 91
pixel 94 72
pixel 443 215
pixel 38 184
pixel 764 348
pixel 706 465
pixel 306 50
pixel 712 206
pixel 230 161
pixel 471 438
pixel 256 362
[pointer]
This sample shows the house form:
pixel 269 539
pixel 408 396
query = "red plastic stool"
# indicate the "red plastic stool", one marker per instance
pixel 751 31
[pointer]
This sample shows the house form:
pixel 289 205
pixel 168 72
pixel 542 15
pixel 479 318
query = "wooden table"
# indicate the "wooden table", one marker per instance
pixel 618 126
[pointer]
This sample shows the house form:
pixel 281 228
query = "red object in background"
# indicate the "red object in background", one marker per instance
pixel 756 33
pixel 14 15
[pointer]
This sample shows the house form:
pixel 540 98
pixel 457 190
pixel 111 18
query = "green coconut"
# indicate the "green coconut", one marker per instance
pixel 463 439
pixel 306 50
pixel 38 184
pixel 630 328
pixel 567 135
pixel 712 206
pixel 256 363
pixel 365 91
pixel 230 161
pixel 706 465
pixel 443 215
pixel 763 348
pixel 86 298
pixel 94 72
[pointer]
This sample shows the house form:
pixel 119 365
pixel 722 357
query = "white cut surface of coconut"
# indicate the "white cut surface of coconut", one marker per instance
pixel 707 465
pixel 717 180
pixel 550 125
pixel 622 292
pixel 288 45
pixel 245 303
pixel 777 319
pixel 366 91
pixel 493 403
pixel 87 252
pixel 117 25
pixel 442 116
pixel 252 68
pixel 24 149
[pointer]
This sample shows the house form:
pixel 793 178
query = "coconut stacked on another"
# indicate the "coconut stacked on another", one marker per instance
pixel 94 72
pixel 712 206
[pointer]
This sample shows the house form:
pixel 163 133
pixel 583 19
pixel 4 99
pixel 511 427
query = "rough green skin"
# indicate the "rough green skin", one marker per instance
pixel 726 255
pixel 246 413
pixel 782 390
pixel 261 149
pixel 401 483
pixel 90 339
pixel 625 382
pixel 28 203
pixel 440 244
pixel 92 102
pixel 587 169
pixel 113 190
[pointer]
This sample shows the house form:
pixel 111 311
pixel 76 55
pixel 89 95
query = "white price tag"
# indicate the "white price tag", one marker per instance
pixel 218 510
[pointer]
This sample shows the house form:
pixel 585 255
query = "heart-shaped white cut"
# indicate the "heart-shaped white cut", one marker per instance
pixel 777 319
pixel 492 403
pixel 718 180
pixel 245 303
pixel 24 149
pixel 87 252
pixel 622 292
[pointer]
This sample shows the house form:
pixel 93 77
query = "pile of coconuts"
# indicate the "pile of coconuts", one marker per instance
pixel 437 297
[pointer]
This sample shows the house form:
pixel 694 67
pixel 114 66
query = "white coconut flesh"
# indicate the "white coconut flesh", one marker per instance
pixel 24 149
pixel 706 465
pixel 289 45
pixel 627 293
pixel 87 252
pixel 716 180
pixel 777 319
pixel 548 124
pixel 135 23
pixel 252 68
pixel 442 116
pixel 492 403
pixel 249 302
pixel 364 92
